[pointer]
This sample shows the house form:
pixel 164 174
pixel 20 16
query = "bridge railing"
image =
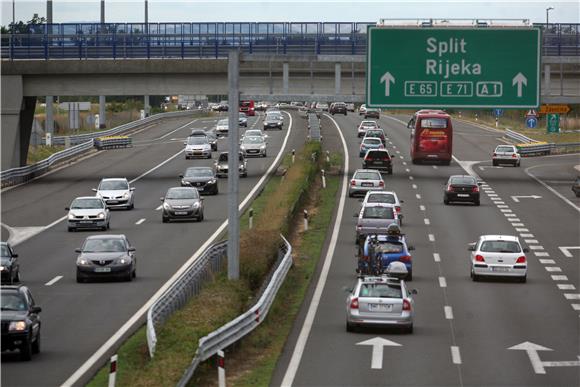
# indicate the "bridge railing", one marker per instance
pixel 212 40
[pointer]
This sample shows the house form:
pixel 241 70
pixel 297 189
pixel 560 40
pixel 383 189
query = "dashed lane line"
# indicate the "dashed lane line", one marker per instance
pixel 442 282
pixel 544 261
pixel 455 355
pixel 541 254
pixel 448 312
pixel 427 221
pixel 140 221
pixel 553 269
pixel 54 280
pixel 572 296
pixel 422 207
pixel 560 278
pixel 418 196
pixel 566 287
pixel 436 257
pixel 431 238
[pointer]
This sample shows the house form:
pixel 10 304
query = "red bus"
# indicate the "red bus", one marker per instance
pixel 431 137
pixel 248 108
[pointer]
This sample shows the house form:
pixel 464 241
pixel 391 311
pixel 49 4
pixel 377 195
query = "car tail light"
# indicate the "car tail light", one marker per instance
pixel 381 183
pixel 405 258
pixel 479 258
pixel 406 305
pixel 449 188
pixel 398 209
pixel 354 303
pixel 358 228
pixel 494 154
pixel 353 182
pixel 475 189
pixel 367 158
pixel 514 155
pixel 381 146
pixel 521 259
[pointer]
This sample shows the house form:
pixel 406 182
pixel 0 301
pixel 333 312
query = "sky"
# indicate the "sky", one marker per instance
pixel 67 11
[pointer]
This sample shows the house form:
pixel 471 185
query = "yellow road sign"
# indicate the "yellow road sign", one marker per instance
pixel 554 109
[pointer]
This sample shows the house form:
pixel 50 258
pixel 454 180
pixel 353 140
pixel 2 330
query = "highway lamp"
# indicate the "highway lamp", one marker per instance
pixel 548 15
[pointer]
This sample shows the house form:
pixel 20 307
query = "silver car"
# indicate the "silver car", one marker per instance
pixel 380 302
pixel 253 146
pixel 375 218
pixel 88 212
pixel 364 180
pixel 116 192
pixel 498 256
pixel 182 203
pixel 197 146
pixel 386 197
pixel 222 127
pixel 506 154
pixel 242 119
pixel 254 132
pixel 364 126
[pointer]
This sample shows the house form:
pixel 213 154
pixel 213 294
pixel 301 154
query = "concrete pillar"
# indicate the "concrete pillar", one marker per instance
pixel 337 74
pixel 102 11
pixel 102 111
pixel 285 77
pixel 146 106
pixel 547 70
pixel 49 121
pixel 49 11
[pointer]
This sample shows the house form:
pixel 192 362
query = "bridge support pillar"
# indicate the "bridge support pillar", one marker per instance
pixel 49 121
pixel 102 111
pixel 547 89
pixel 146 106
pixel 285 77
pixel 337 79
pixel 17 114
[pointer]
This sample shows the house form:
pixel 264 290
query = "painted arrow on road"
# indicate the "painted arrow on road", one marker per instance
pixel 566 250
pixel 520 80
pixel 378 344
pixel 482 167
pixel 387 78
pixel 517 198
pixel 539 365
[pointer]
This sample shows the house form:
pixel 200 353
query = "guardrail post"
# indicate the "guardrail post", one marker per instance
pixel 221 369
pixel 328 156
pixel 251 218
pixel 323 179
pixel 305 220
pixel 293 155
pixel 113 371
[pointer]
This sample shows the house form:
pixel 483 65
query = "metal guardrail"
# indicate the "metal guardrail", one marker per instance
pixel 314 127
pixel 520 138
pixel 530 147
pixel 113 142
pixel 245 323
pixel 185 287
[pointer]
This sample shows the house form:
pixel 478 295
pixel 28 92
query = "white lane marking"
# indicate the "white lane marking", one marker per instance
pixel 531 241
pixel 139 315
pixel 566 250
pixel 497 201
pixel 572 296
pixel 414 186
pixel 422 207
pixel 566 287
pixel 434 166
pixel 541 254
pixel 537 247
pixel 159 208
pixel 427 221
pixel 509 215
pixel 448 312
pixel 436 257
pixel 411 177
pixel 407 170
pixel 418 196
pixel 173 131
pixel 431 238
pixel 523 232
pixel 315 301
pixel 398 152
pixel 566 200
pixel 512 219
pixel 502 206
pixel 455 355
pixel 404 163
pixel 140 221
pixel 553 269
pixel 506 210
pixel 442 282
pixel 576 306
pixel 547 262
pixel 54 280
pixel 518 224
pixel 560 278
pixel 394 147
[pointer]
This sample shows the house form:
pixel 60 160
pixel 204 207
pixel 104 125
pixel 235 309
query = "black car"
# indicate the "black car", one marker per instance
pixel 9 266
pixel 202 178
pixel 105 256
pixel 460 188
pixel 273 120
pixel 372 113
pixel 338 108
pixel 182 203
pixel 20 321
pixel 378 159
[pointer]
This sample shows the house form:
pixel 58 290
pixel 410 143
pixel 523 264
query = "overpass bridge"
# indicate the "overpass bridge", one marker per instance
pixel 279 61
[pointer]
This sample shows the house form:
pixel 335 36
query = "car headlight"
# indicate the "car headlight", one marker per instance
pixel 71 215
pixel 196 205
pixel 17 326
pixel 263 147
pixel 124 260
pixel 166 206
pixel 183 182
pixel 101 215
pixel 126 195
pixel 82 261
pixel 2 268
pixel 242 148
pixel 212 181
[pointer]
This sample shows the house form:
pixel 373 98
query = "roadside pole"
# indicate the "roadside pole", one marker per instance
pixel 233 165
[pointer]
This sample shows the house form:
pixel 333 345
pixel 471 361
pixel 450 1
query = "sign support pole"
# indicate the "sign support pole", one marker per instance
pixel 233 165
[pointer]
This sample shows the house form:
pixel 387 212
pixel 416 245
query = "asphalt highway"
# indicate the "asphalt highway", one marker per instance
pixel 78 318
pixel 463 329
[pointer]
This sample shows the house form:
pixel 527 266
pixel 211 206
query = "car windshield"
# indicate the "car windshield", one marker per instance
pixel 463 180
pixel 374 133
pixel 242 115
pixel 196 140
pixel 504 149
pixel 199 172
pixel 222 123
pixel 390 247
pixel 13 301
pixel 112 185
pixel 378 154
pixel 367 176
pixel 182 193
pixel 378 213
pixel 380 290
pixel 104 245
pixel 500 247
pixel 252 133
pixel 372 141
pixel 86 204
pixel 273 117
pixel 382 198
pixel 369 123
pixel 4 250
pixel 253 140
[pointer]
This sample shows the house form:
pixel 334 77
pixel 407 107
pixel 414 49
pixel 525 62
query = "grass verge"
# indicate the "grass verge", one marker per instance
pixel 41 152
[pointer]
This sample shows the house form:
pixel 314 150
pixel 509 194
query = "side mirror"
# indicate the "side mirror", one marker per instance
pixel 411 247
pixel 414 291
pixel 94 190
pixel 401 201
pixel 393 156
pixel 78 251
pixel 185 143
pixel 162 199
pixel 14 255
pixel 36 309
pixel 131 249
pixel 67 208
pixel 480 184
pixel 471 248
pixel 355 215
pixel 202 199
pixel 181 176
pixel 347 289
pixel 361 200
pixel 526 250
pixel 132 189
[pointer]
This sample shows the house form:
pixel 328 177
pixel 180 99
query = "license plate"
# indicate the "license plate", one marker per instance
pixel 367 184
pixel 197 152
pixel 200 188
pixel 462 195
pixel 86 221
pixel 180 212
pixel 377 162
pixel 380 307
pixel 102 269
pixel 501 269
pixel 113 201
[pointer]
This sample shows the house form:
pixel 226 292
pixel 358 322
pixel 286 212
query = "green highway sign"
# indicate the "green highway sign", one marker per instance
pixel 553 123
pixel 453 67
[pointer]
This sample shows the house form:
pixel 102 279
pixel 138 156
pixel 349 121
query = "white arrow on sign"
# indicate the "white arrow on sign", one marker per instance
pixel 517 198
pixel 520 80
pixel 378 344
pixel 539 365
pixel 566 250
pixel 387 78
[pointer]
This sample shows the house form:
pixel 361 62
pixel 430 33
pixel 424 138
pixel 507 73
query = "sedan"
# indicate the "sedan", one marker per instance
pixel 222 127
pixel 372 113
pixel 273 120
pixel 362 109
pixel 253 146
pixel 364 180
pixel 506 154
pixel 380 302
pixel 461 188
pixel 9 265
pixel 364 126
pixel 20 321
pixel 370 143
pixel 202 178
pixel 197 146
pixel 498 256
pixel 222 165
pixel 117 193
pixel 385 197
pixel 182 203
pixel 106 256
pixel 88 212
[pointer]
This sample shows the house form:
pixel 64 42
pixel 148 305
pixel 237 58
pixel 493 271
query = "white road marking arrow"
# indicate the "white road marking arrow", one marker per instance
pixel 482 167
pixel 566 250
pixel 517 198
pixel 387 78
pixel 539 365
pixel 520 80
pixel 378 344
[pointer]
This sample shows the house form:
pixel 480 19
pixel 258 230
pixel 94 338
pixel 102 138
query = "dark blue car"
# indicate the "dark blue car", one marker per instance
pixel 389 248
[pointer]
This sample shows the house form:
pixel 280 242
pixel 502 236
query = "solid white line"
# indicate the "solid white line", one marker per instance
pixel 431 238
pixel 139 315
pixel 436 257
pixel 418 196
pixel 54 280
pixel 411 177
pixel 448 312
pixel 434 166
pixel 180 153
pixel 414 186
pixel 442 282
pixel 553 269
pixel 140 221
pixel 427 221
pixel 455 355
pixel 576 306
pixel 541 254
pixel 159 208
pixel 422 207
pixel 572 296
pixel 547 262
pixel 531 241
pixel 566 287
pixel 173 131
pixel 558 194
pixel 560 278
pixel 309 320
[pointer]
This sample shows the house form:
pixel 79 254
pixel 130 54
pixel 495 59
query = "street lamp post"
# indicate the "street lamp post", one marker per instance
pixel 548 15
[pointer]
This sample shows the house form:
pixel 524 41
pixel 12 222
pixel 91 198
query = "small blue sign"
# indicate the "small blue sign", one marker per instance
pixel 498 112
pixel 531 122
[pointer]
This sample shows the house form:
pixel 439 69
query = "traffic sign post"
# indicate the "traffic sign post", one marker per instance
pixel 553 123
pixel 453 67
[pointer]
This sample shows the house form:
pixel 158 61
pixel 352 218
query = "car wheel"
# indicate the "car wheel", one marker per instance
pixel 493 163
pixel 135 273
pixel 409 275
pixel 477 203
pixel 129 276
pixel 131 206
pixel 200 218
pixel 518 164
pixel 71 229
pixel 400 221
pixel 446 202
pixel 410 329
pixel 36 344
pixel 523 279
pixel 349 327
pixel 474 276
pixel 350 195
pixel 26 350
pixel 164 219
pixel 390 171
pixel 17 276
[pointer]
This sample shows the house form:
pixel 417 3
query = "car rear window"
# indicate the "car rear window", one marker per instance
pixel 504 149
pixel 380 290
pixel 463 180
pixel 378 213
pixel 374 154
pixel 367 176
pixel 372 141
pixel 382 198
pixel 500 247
pixel 369 123
pixel 390 247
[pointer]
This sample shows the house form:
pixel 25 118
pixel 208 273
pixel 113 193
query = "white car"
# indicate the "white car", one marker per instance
pixel 366 125
pixel 116 192
pixel 362 109
pixel 364 180
pixel 498 256
pixel 222 127
pixel 197 146
pixel 385 197
pixel 88 212
pixel 506 154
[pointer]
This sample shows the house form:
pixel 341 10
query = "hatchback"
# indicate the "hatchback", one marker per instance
pixel 380 301
pixel 88 212
pixel 378 133
pixel 374 218
pixel 197 146
pixel 104 256
pixel 461 189
pixel 222 127
pixel 222 165
pixel 9 265
pixel 117 193
pixel 372 113
pixel 498 256
pixel 20 321
pixel 364 126
pixel 254 146
pixel 386 197
pixel 576 187
pixel 362 109
pixel 364 180
pixel 243 119
pixel 202 178
pixel 369 144
pixel 182 203
pixel 338 108
pixel 379 159
pixel 273 120
pixel 506 154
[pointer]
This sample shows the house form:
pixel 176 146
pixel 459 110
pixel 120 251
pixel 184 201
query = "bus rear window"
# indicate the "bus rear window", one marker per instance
pixel 438 123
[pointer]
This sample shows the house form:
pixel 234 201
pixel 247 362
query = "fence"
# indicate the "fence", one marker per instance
pixel 530 147
pixel 245 323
